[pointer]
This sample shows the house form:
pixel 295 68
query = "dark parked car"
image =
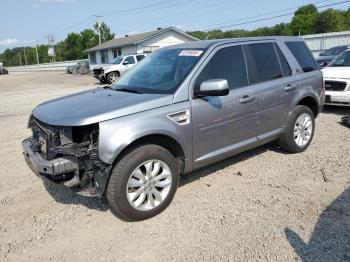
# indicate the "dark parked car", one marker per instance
pixel 328 55
pixel 78 68
pixel 3 71
pixel 182 108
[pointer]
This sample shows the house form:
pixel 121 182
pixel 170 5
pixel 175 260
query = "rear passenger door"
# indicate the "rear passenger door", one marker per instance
pixel 275 86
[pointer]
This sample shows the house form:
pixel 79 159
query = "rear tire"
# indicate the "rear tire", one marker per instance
pixel 131 168
pixel 299 130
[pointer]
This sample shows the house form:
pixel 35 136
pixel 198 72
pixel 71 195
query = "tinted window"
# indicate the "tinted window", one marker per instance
pixel 335 51
pixel 130 59
pixel 302 55
pixel 227 63
pixel 263 62
pixel 286 71
pixel 139 57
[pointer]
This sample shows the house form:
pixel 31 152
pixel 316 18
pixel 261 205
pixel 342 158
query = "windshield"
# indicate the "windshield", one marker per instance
pixel 334 51
pixel 160 73
pixel 342 60
pixel 118 60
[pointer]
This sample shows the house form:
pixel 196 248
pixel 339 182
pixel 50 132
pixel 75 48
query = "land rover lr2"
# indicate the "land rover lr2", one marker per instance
pixel 181 108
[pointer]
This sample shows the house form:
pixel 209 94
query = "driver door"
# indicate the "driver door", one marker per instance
pixel 223 125
pixel 128 63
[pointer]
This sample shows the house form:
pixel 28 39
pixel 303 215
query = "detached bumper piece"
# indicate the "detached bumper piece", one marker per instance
pixel 346 121
pixel 78 168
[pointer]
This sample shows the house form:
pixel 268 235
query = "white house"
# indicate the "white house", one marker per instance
pixel 138 43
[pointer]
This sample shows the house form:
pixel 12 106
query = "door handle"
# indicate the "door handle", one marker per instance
pixel 246 99
pixel 289 87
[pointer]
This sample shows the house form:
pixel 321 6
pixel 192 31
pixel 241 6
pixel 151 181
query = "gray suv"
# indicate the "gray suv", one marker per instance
pixel 181 108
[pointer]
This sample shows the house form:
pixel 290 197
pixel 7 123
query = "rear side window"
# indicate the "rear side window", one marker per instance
pixel 302 55
pixel 227 63
pixel 139 57
pixel 263 64
pixel 286 71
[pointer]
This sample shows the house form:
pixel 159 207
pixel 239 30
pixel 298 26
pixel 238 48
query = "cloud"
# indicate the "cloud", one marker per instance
pixel 9 41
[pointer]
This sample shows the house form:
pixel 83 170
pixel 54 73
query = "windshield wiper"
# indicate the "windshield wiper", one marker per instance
pixel 129 90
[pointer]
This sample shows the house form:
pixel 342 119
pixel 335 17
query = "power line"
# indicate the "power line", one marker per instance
pixel 269 18
pixel 261 15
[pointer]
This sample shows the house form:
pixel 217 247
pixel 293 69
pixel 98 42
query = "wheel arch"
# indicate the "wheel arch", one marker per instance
pixel 310 102
pixel 163 140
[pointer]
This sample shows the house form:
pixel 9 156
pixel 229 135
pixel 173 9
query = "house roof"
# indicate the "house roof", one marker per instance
pixel 135 39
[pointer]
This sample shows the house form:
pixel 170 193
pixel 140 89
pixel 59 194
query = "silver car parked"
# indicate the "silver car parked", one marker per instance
pixel 181 108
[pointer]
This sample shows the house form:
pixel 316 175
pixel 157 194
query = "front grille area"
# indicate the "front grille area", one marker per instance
pixel 335 86
pixel 97 71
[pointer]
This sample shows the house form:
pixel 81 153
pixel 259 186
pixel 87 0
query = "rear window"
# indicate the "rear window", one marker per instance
pixel 263 64
pixel 302 55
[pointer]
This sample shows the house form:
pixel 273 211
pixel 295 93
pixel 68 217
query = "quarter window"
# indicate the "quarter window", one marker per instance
pixel 263 64
pixel 286 71
pixel 302 55
pixel 227 63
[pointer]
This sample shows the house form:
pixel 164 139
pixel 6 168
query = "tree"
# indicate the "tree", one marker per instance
pixel 304 20
pixel 105 32
pixel 329 20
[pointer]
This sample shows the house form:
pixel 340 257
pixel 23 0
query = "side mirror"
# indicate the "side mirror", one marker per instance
pixel 213 87
pixel 125 62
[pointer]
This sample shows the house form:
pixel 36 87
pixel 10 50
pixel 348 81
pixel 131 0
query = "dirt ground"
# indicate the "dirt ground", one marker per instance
pixel 262 205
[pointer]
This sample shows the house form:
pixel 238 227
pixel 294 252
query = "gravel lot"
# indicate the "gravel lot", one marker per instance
pixel 263 205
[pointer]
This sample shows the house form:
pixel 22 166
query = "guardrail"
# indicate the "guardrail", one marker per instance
pixel 56 66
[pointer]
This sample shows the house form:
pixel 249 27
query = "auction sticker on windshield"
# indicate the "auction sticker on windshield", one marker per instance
pixel 190 53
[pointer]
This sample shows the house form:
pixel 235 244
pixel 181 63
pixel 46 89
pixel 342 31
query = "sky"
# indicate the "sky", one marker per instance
pixel 22 22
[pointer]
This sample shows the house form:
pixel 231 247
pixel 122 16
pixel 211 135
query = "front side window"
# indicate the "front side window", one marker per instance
pixel 342 60
pixel 227 63
pixel 104 56
pixel 118 60
pixel 130 60
pixel 302 55
pixel 263 64
pixel 161 72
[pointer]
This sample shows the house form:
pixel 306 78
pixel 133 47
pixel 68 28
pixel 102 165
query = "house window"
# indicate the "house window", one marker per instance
pixel 93 58
pixel 117 52
pixel 104 56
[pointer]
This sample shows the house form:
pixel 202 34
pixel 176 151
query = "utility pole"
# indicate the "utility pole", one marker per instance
pixel 98 21
pixel 37 55
pixel 20 59
pixel 25 57
pixel 51 50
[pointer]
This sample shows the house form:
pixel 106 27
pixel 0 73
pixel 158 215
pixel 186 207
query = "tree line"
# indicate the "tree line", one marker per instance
pixel 306 20
pixel 71 48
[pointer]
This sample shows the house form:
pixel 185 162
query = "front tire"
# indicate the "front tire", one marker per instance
pixel 142 183
pixel 112 77
pixel 299 130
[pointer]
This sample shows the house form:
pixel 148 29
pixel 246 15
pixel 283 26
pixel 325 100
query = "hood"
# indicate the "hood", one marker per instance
pixel 97 105
pixel 336 72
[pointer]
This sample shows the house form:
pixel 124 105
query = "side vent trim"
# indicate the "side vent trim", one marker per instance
pixel 181 118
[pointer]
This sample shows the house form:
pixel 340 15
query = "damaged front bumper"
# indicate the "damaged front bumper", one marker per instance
pixel 80 171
